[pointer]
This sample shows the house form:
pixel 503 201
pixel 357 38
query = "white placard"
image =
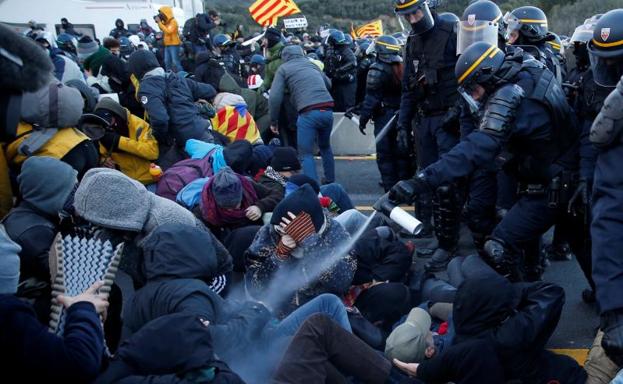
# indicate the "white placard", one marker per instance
pixel 298 22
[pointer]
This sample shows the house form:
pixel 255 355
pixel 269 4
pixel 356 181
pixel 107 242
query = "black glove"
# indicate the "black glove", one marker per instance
pixel 612 343
pixel 406 191
pixel 579 198
pixel 110 140
pixel 404 141
pixel 362 125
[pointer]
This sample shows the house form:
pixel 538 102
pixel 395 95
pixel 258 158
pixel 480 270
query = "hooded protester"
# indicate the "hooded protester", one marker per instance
pixel 30 73
pixel 109 199
pixel 173 348
pixel 230 200
pixel 273 41
pixel 164 93
pixel 308 87
pixel 118 75
pixel 299 241
pixel 65 69
pixel 48 129
pixel 91 55
pixel 145 28
pixel 125 141
pixel 30 350
pixel 89 94
pixel 168 25
pixel 119 30
pixel 68 27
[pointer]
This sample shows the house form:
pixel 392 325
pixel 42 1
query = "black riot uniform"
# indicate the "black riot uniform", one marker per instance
pixel 229 57
pixel 364 61
pixel 428 95
pixel 523 112
pixel 606 50
pixel 341 68
pixel 381 104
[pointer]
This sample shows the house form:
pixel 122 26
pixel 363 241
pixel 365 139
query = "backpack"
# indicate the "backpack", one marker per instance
pixel 183 173
pixel 189 28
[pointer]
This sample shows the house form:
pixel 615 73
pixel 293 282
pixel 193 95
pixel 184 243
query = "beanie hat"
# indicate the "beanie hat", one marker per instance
pixel 285 159
pixel 9 263
pixel 227 188
pixel 238 155
pixel 141 62
pixel 46 183
pixel 86 47
pixel 303 199
pixel 302 179
pixel 254 81
pixel 273 35
pixel 110 199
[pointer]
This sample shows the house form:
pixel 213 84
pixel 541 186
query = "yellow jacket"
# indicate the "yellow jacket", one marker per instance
pixel 169 27
pixel 59 145
pixel 135 153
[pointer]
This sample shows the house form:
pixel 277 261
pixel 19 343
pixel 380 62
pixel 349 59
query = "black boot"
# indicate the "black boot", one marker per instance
pixel 439 261
pixel 502 260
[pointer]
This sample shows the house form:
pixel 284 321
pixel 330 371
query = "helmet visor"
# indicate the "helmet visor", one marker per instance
pixel 582 34
pixel 474 31
pixel 466 94
pixel 512 24
pixel 606 70
pixel 421 19
pixel 371 50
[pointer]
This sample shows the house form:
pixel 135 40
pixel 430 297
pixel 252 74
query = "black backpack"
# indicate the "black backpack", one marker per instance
pixel 189 28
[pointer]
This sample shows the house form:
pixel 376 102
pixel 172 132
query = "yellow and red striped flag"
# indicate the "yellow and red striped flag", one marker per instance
pixel 372 29
pixel 236 123
pixel 266 12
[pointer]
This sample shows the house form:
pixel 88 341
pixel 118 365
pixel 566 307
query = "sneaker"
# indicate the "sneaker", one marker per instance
pixel 439 261
pixel 75 264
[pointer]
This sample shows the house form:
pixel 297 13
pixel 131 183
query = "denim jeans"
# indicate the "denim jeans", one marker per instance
pixel 338 194
pixel 172 58
pixel 311 126
pixel 327 304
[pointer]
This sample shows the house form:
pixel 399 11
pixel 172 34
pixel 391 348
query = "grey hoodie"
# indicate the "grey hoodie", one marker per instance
pixel 306 83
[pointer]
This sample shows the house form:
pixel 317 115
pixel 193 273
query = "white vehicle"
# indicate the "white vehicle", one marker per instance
pixel 92 17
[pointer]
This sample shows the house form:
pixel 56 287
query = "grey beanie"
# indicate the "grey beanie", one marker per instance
pixel 110 199
pixel 46 183
pixel 9 263
pixel 53 106
pixel 227 188
pixel 86 47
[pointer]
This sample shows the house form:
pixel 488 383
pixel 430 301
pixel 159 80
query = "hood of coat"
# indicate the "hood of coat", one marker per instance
pixel 292 52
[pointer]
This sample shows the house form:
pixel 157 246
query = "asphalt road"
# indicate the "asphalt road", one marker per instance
pixel 579 321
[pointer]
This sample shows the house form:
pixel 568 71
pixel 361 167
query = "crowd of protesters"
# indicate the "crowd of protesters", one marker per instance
pixel 191 151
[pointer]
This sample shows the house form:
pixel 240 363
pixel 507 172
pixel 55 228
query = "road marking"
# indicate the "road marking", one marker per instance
pixel 577 354
pixel 351 158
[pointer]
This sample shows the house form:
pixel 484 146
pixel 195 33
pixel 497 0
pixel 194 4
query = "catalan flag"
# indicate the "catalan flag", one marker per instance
pixel 236 123
pixel 266 12
pixel 372 29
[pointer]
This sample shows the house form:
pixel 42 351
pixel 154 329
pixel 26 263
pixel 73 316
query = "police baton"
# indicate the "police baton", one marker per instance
pixel 348 114
pixel 385 129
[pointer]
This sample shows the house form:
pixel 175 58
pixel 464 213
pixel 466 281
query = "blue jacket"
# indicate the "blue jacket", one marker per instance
pixel 169 103
pixel 33 354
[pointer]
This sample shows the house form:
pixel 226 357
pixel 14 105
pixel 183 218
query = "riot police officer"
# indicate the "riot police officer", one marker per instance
pixel 522 110
pixel 528 27
pixel 341 68
pixel 364 61
pixel 229 57
pixel 606 50
pixel 381 104
pixel 428 94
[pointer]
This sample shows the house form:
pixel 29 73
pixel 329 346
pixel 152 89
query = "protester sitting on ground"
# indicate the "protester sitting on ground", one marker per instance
pixel 309 92
pixel 89 94
pixel 180 263
pixel 117 74
pixel 169 101
pixel 48 130
pixel 176 348
pixel 230 200
pixel 91 55
pixel 46 187
pixel 125 141
pixel 113 45
pixel 299 241
pixel 29 350
pixel 65 68
pixel 236 123
pixel 109 199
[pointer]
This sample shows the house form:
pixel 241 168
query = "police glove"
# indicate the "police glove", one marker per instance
pixel 362 126
pixel 406 191
pixel 404 141
pixel 612 342
pixel 579 198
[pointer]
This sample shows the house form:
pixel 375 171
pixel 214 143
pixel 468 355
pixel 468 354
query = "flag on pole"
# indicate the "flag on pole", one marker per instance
pixel 266 12
pixel 372 29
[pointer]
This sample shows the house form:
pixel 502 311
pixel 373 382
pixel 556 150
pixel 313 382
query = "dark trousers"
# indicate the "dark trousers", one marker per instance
pixel 393 165
pixel 481 200
pixel 344 94
pixel 321 347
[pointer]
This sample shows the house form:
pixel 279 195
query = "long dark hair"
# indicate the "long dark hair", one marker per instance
pixel 398 70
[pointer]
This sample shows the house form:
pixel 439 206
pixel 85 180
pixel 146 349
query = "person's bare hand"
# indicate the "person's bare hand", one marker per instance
pixel 288 241
pixel 253 213
pixel 408 368
pixel 109 163
pixel 91 295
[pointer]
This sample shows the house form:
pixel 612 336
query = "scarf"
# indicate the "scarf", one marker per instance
pixel 275 176
pixel 217 216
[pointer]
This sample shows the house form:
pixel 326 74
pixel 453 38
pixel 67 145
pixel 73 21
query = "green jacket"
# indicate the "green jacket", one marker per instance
pixel 257 104
pixel 272 64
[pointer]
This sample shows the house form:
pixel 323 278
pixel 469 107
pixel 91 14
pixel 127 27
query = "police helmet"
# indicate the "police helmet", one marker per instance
pixel 336 37
pixel 402 39
pixel 258 59
pixel 449 17
pixel 388 49
pixel 408 7
pixel 606 49
pixel 481 21
pixel 348 40
pixel 126 47
pixel 477 66
pixel 555 43
pixel 530 22
pixel 222 40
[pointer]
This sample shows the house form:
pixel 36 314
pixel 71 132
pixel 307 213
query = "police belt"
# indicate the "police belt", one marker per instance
pixel 558 191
